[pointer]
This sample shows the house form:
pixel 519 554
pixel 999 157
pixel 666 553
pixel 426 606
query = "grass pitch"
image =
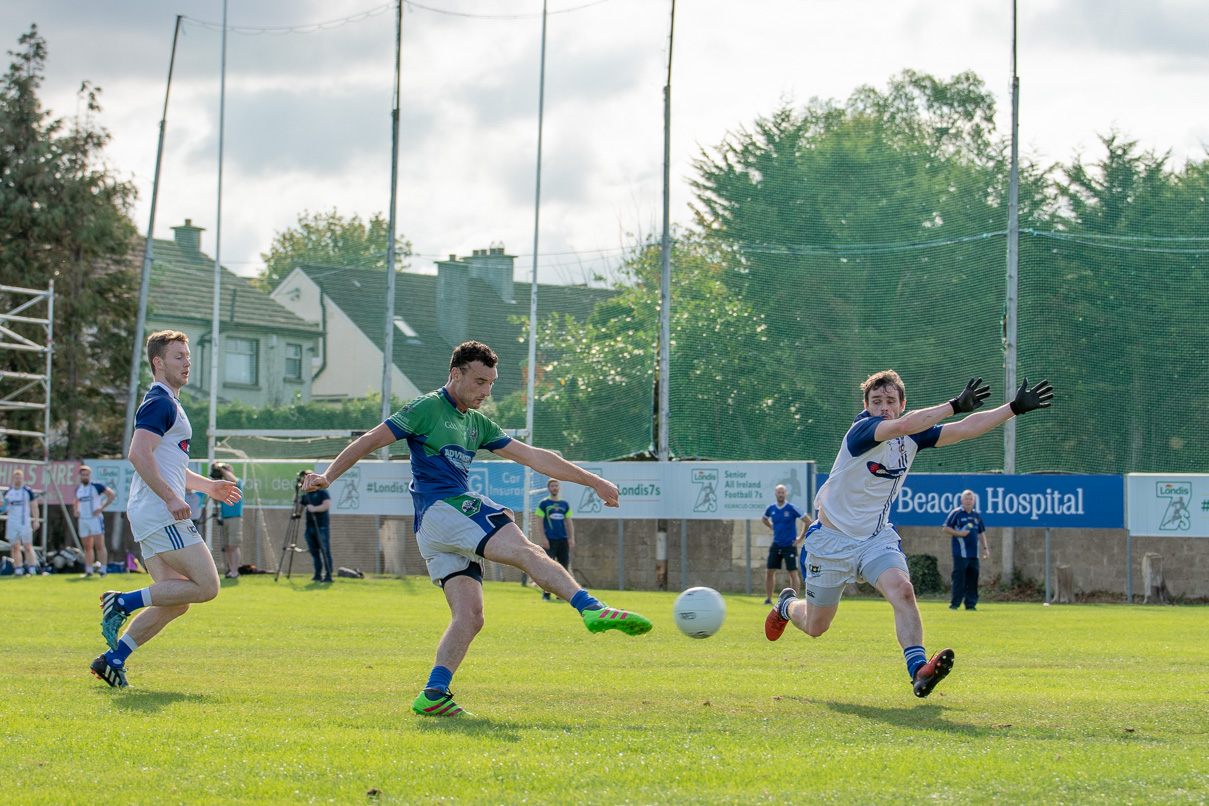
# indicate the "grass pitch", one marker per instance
pixel 291 692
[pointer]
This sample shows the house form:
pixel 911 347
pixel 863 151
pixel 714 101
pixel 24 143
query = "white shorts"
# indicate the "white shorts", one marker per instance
pixel 454 531
pixel 170 538
pixel 92 526
pixel 830 560
pixel 18 534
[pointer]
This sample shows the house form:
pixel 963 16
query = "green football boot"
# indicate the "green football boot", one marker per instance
pixel 432 702
pixel 611 618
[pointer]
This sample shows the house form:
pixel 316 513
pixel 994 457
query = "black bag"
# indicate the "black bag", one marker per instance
pixel 351 573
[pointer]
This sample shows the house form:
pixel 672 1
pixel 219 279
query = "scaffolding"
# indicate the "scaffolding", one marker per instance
pixel 27 391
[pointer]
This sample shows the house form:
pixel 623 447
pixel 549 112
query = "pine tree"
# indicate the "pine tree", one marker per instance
pixel 64 215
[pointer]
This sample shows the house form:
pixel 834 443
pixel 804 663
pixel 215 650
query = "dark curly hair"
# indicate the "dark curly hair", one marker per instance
pixel 470 351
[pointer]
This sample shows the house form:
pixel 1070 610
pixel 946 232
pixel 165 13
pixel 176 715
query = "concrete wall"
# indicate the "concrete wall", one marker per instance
pixel 1096 555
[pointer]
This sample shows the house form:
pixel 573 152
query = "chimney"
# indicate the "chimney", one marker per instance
pixel 453 282
pixel 188 237
pixel 495 269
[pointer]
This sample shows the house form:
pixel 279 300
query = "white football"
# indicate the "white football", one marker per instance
pixel 699 612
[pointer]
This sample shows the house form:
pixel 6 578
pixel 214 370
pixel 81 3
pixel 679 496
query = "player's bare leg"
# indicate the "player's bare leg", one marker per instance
pixel 182 577
pixel 896 587
pixel 89 554
pixel 812 619
pixel 770 580
pixel 464 595
pixel 510 547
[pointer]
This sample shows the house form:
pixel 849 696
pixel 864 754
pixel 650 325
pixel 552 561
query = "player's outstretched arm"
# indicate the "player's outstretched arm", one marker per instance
pixel 375 439
pixel 1026 400
pixel 556 467
pixel 218 489
pixel 915 422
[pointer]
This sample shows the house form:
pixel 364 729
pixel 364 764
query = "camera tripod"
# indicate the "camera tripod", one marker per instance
pixel 290 543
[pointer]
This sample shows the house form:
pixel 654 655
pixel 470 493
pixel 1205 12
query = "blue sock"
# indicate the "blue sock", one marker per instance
pixel 132 601
pixel 440 678
pixel 784 608
pixel 916 657
pixel 583 600
pixel 117 657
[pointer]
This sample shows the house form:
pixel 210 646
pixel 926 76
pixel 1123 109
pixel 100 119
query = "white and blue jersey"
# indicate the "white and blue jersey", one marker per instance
pixel 18 505
pixel 867 476
pixel 160 413
pixel 89 497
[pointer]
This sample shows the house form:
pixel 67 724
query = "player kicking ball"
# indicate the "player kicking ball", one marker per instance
pixel 457 528
pixel 853 539
pixel 174 554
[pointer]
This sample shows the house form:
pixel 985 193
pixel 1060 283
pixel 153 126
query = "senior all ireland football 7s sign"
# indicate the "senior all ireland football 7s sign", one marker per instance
pixel 1168 504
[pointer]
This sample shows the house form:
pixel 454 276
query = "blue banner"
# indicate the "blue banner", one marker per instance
pixel 1034 502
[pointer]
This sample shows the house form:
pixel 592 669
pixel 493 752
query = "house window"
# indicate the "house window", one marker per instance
pixel 242 364
pixel 293 362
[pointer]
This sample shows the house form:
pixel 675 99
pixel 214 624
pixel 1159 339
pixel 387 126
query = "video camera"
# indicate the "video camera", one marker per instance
pixel 216 470
pixel 301 477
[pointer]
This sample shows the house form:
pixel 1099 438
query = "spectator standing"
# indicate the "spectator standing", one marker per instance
pixel 782 517
pixel 21 504
pixel 558 532
pixel 230 520
pixel 969 535
pixel 318 534
pixel 90 521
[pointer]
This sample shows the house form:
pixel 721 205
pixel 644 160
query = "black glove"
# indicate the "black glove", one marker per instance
pixel 971 397
pixel 1038 397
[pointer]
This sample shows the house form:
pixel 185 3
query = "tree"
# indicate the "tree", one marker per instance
pixel 850 226
pixel 596 376
pixel 330 239
pixel 65 216
pixel 1117 309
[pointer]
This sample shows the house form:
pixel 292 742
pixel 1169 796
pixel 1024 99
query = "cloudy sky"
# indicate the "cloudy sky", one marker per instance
pixel 308 125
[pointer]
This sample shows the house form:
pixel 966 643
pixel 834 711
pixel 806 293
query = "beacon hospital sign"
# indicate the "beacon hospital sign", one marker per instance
pixel 1057 501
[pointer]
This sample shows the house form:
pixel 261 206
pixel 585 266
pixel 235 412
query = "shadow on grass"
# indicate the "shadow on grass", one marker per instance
pixel 496 729
pixel 483 726
pixel 922 716
pixel 149 701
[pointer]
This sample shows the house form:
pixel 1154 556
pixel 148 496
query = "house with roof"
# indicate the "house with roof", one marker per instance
pixel 267 354
pixel 472 297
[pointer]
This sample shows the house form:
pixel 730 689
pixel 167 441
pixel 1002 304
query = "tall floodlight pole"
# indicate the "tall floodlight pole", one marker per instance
pixel 222 101
pixel 531 385
pixel 388 341
pixel 136 361
pixel 665 258
pixel 140 323
pixel 1011 300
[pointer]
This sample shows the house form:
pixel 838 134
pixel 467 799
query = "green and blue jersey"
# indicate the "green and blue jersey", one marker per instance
pixel 554 516
pixel 442 442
